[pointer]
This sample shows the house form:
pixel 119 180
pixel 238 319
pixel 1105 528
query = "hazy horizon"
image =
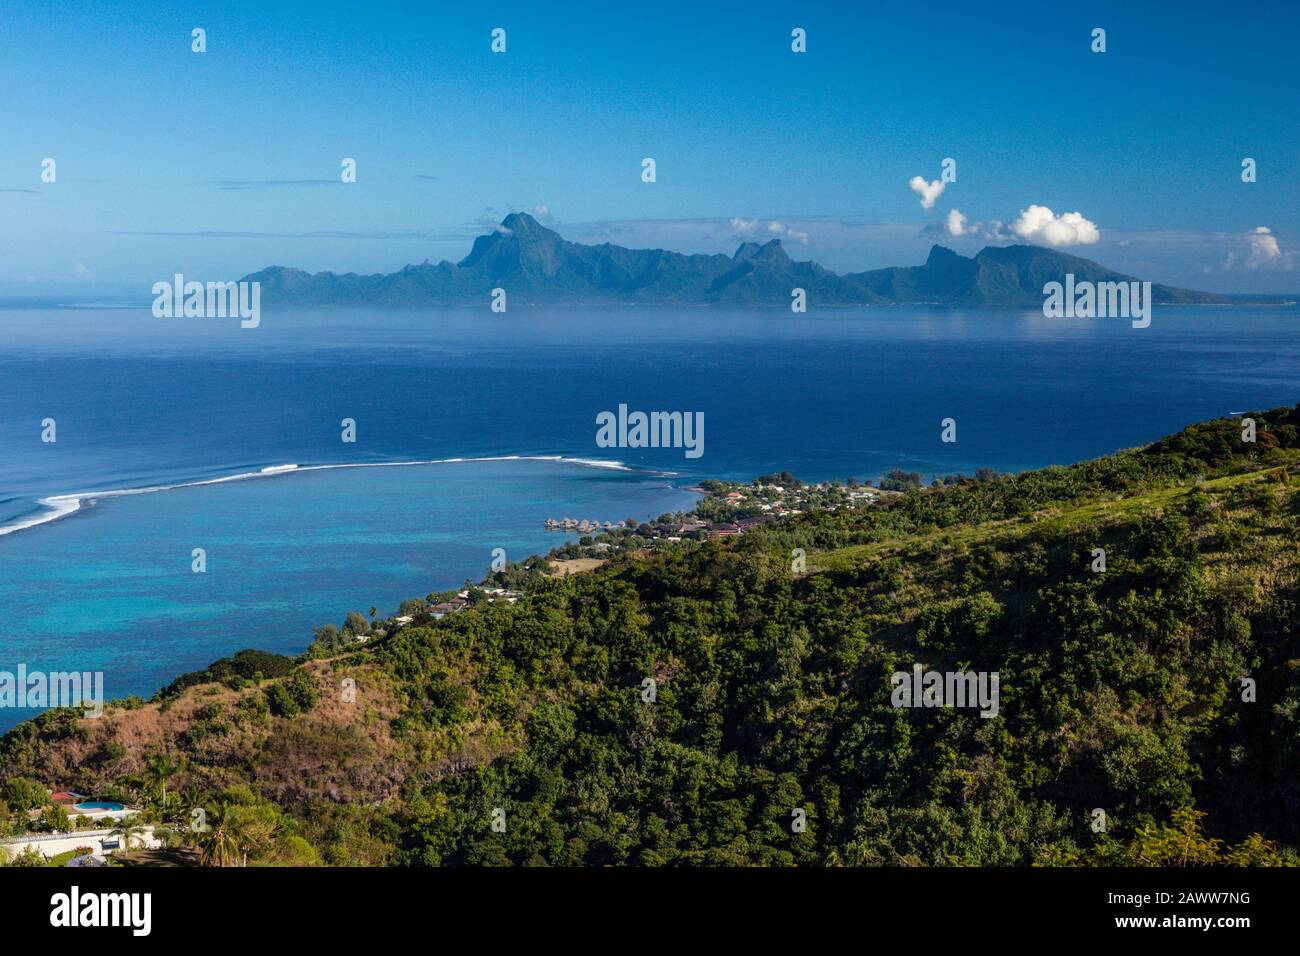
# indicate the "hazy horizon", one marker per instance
pixel 223 162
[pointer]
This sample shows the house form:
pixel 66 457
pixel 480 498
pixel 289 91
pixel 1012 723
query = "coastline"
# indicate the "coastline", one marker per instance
pixel 63 505
pixel 283 569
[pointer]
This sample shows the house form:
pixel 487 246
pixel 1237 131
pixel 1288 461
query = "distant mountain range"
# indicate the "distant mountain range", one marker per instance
pixel 536 265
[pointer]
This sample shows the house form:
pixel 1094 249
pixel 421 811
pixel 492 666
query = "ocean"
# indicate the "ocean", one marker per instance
pixel 140 402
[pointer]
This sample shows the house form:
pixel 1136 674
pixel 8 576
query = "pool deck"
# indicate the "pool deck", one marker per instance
pixel 101 814
pixel 50 845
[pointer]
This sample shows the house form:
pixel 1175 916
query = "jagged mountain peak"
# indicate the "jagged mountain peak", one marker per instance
pixel 524 226
pixel 535 264
pixel 941 254
pixel 770 251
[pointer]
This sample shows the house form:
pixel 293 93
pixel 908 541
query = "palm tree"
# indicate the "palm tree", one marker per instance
pixel 161 768
pixel 128 829
pixel 219 846
pixel 237 831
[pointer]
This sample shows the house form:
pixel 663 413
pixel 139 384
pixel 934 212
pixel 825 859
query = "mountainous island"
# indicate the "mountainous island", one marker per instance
pixel 1158 694
pixel 536 265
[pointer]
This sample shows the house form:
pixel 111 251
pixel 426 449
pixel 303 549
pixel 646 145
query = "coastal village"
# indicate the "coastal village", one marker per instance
pixel 725 510
pixel 732 508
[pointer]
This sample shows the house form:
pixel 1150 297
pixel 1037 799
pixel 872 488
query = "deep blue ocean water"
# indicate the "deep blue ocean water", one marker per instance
pixel 141 401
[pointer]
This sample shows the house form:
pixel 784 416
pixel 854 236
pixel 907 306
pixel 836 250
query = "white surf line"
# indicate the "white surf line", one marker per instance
pixel 60 506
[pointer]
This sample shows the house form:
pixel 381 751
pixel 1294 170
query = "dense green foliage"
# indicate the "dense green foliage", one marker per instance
pixel 243 666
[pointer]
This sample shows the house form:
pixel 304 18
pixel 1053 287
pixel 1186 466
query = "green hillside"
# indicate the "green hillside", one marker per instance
pixel 772 738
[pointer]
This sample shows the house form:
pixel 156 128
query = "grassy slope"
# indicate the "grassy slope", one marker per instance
pixel 1097 515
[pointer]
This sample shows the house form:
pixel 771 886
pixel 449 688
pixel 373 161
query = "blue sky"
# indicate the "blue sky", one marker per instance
pixel 220 163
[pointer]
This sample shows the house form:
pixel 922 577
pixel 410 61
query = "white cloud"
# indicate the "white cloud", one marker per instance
pixel 80 270
pixel 957 226
pixel 928 192
pixel 1265 253
pixel 489 220
pixel 752 227
pixel 542 213
pixel 1036 224
pixel 1040 224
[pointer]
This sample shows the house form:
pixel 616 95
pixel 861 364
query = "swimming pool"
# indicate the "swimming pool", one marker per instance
pixel 99 805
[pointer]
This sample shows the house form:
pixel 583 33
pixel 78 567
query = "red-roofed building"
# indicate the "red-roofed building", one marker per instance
pixel 721 531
